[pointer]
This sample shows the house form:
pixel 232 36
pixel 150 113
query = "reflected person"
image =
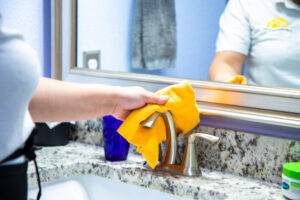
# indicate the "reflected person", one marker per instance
pixel 259 39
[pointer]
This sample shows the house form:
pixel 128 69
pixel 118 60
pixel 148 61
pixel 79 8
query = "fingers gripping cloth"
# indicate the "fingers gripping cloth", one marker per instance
pixel 182 105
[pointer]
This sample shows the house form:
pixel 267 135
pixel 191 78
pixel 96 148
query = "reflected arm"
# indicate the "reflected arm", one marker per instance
pixel 225 65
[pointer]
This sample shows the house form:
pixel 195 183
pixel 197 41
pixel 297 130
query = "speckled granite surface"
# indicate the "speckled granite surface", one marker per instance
pixel 247 154
pixel 240 153
pixel 80 159
pixel 89 132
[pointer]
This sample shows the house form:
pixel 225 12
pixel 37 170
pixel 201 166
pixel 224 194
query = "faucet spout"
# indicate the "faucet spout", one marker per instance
pixel 189 165
pixel 171 146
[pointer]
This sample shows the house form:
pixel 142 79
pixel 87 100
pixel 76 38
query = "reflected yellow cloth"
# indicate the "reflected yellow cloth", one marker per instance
pixel 182 105
pixel 224 96
pixel 238 79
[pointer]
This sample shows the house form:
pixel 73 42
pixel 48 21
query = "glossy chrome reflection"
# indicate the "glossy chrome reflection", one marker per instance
pixel 189 165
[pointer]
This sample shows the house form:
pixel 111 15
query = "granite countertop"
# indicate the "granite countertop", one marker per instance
pixel 243 154
pixel 81 159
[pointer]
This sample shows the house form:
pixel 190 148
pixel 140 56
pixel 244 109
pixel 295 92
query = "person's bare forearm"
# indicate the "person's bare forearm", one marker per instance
pixel 62 101
pixel 226 65
pixel 221 72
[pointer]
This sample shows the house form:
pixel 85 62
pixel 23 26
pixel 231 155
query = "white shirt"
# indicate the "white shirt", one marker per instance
pixel 268 33
pixel 19 75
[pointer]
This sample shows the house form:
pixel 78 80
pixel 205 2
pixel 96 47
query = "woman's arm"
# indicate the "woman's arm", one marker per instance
pixel 225 65
pixel 63 101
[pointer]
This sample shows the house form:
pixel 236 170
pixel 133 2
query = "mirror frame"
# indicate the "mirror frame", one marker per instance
pixel 261 110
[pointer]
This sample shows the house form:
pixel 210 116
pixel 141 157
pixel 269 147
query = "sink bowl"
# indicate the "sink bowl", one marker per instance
pixel 94 187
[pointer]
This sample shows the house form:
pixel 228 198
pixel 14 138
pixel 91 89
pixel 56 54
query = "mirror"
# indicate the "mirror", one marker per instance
pixel 92 43
pixel 110 30
pixel 167 38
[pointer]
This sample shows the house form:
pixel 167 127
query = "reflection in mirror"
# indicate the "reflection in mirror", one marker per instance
pixel 171 38
pixel 179 39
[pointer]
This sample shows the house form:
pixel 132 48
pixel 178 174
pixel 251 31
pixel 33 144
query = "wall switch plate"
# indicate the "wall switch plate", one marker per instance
pixel 92 59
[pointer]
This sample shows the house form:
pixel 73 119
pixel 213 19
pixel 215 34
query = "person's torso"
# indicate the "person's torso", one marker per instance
pixel 19 75
pixel 274 58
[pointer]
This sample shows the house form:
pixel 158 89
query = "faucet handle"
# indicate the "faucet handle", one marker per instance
pixel 190 165
pixel 150 121
pixel 210 138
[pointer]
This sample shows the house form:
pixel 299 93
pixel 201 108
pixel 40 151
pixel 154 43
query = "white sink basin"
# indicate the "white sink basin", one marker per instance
pixel 94 188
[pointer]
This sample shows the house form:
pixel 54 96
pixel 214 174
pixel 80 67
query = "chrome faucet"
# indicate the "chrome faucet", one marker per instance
pixel 189 165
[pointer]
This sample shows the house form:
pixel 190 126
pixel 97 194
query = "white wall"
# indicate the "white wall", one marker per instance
pixel 29 17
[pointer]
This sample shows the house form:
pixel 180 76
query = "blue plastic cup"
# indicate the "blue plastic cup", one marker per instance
pixel 115 146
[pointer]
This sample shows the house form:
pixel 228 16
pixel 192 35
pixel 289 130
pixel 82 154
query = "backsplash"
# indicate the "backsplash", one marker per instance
pixel 89 132
pixel 247 154
pixel 240 153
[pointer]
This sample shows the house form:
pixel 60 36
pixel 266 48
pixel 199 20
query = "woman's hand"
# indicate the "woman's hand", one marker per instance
pixel 130 98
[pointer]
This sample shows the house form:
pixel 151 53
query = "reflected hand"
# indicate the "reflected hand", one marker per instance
pixel 238 79
pixel 130 98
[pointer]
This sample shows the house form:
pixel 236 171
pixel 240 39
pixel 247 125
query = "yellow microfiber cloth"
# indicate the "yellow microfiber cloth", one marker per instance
pixel 182 105
pixel 238 79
